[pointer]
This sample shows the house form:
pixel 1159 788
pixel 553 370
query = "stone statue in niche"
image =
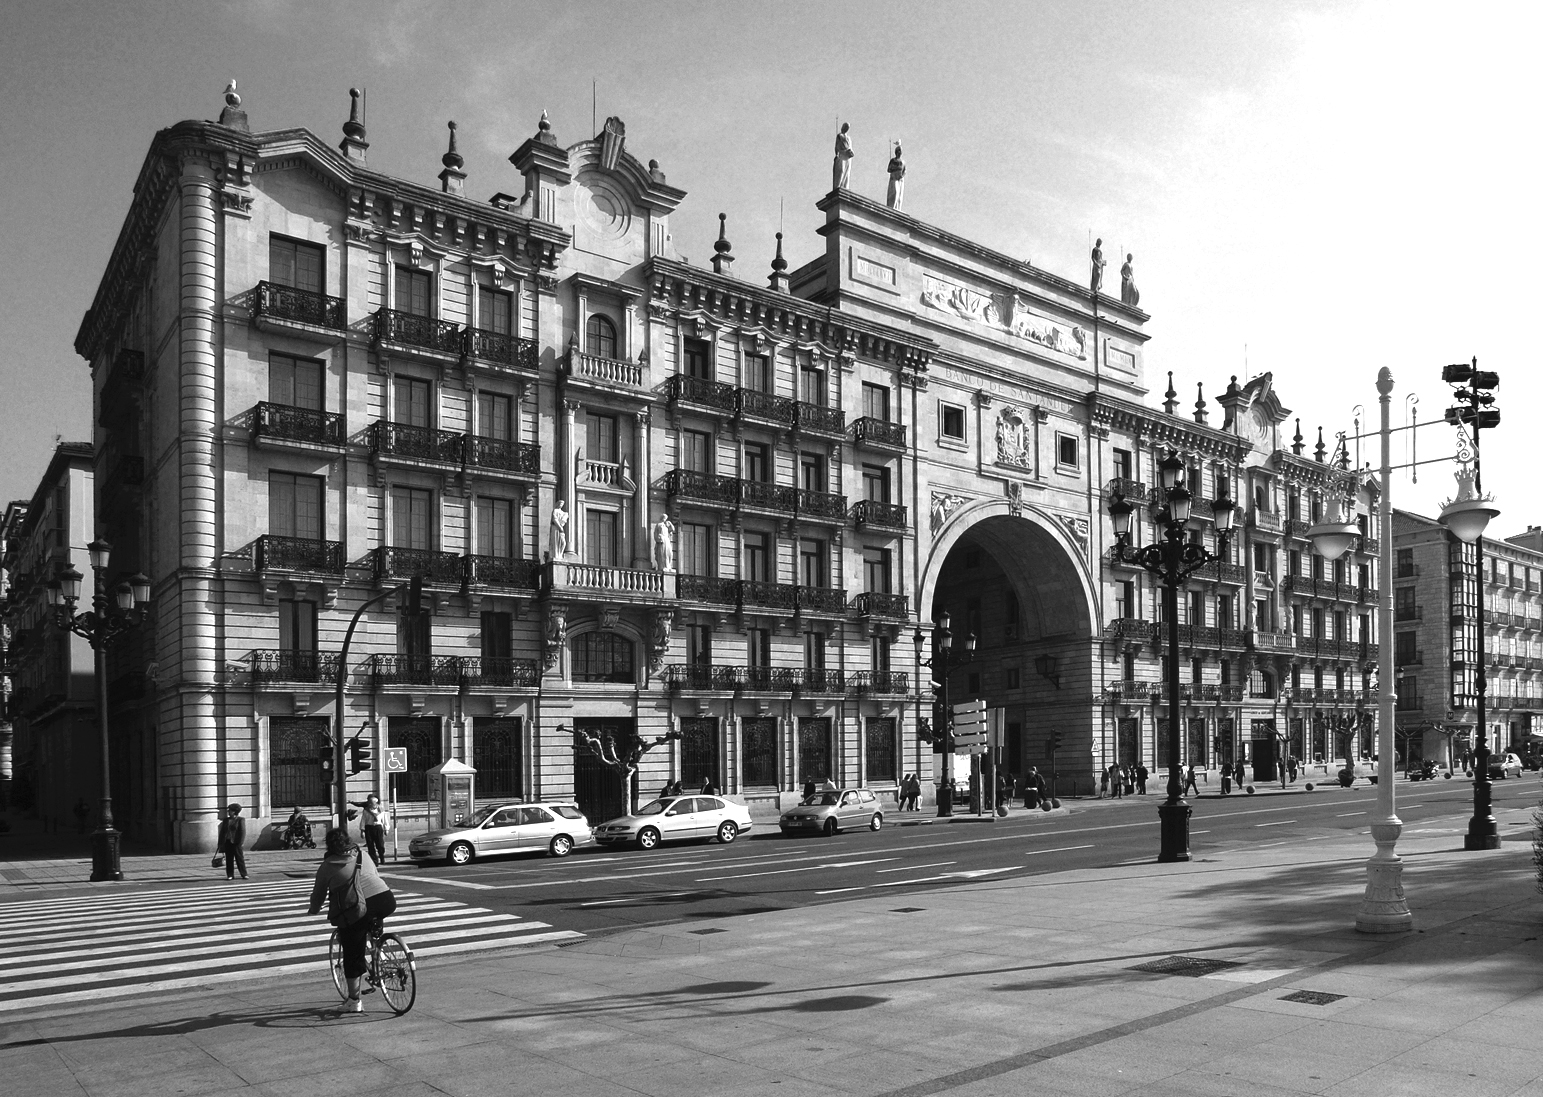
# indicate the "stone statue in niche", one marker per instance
pixel 1129 294
pixel 664 545
pixel 896 194
pixel 556 633
pixel 1097 260
pixel 559 536
pixel 841 167
pixel 659 639
pixel 1012 439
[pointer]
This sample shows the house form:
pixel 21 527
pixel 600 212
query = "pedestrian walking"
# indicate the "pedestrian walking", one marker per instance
pixel 1103 782
pixel 808 787
pixel 1004 790
pixel 1141 779
pixel 1031 786
pixel 231 840
pixel 708 789
pixel 1239 773
pixel 1291 769
pixel 1189 782
pixel 1117 781
pixel 372 824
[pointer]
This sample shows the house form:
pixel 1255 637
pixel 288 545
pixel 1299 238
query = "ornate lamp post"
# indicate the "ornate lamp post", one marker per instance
pixel 1466 516
pixel 1172 560
pixel 101 626
pixel 943 663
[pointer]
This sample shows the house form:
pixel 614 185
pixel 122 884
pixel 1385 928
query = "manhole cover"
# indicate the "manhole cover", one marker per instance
pixel 1192 966
pixel 705 932
pixel 907 910
pixel 1311 997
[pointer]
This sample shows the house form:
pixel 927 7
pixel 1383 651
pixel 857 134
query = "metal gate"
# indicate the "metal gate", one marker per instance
pixel 699 752
pixel 597 787
pixel 758 750
pixel 814 748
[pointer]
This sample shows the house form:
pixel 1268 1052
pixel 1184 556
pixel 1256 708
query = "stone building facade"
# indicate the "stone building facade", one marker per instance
pixel 649 498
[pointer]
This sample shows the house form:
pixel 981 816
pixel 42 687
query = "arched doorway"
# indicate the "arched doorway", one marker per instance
pixel 1020 583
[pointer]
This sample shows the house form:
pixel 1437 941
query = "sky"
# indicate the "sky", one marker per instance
pixel 1317 190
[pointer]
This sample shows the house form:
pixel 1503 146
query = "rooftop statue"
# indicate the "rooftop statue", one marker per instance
pixel 896 193
pixel 1129 294
pixel 841 167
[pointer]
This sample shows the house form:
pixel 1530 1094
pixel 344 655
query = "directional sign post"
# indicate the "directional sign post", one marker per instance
pixel 970 735
pixel 396 762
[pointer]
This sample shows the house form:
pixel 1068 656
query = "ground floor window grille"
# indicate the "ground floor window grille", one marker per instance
pixel 758 750
pixel 421 736
pixel 699 752
pixel 495 753
pixel 814 749
pixel 294 770
pixel 880 748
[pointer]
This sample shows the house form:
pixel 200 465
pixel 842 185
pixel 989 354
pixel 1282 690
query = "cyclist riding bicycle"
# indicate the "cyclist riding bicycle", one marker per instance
pixel 358 900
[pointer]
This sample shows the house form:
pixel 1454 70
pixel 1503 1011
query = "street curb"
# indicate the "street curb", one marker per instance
pixel 946 819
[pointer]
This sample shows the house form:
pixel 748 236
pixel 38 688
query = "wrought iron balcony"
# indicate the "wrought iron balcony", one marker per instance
pixel 707 588
pixel 774 497
pixel 314 667
pixel 1133 490
pixel 702 392
pixel 1231 638
pixel 879 515
pixel 605 371
pixel 442 568
pixel 872 603
pixel 125 471
pixel 502 455
pixel 503 571
pixel 826 600
pixel 1298 527
pixel 702 487
pixel 1112 556
pixel 1133 689
pixel 275 302
pixel 705 677
pixel 819 680
pixel 768 595
pixel 415 670
pixel 1222 571
pixel 820 504
pixel 492 672
pixel 418 443
pixel 1371 546
pixel 763 405
pixel 818 419
pixel 1369 595
pixel 1199 636
pixel 881 681
pixel 1132 628
pixel 292 424
pixel 501 349
pixel 271 553
pixel 878 433
pixel 407 330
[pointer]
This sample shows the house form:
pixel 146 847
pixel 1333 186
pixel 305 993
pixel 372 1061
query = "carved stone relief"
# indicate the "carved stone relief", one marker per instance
pixel 943 505
pixel 1078 528
pixel 556 634
pixel 659 639
pixel 1014 439
pixel 1006 312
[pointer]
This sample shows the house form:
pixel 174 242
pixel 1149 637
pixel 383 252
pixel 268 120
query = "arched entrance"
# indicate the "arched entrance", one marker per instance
pixel 1020 583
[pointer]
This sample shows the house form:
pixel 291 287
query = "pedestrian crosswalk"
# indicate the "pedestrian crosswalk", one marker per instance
pixel 91 947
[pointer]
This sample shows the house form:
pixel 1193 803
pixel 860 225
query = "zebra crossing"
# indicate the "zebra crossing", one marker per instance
pixel 93 947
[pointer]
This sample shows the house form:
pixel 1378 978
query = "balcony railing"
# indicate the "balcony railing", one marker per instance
pixel 443 568
pixel 758 493
pixel 607 474
pixel 605 371
pixel 872 512
pixel 1133 490
pixel 503 571
pixel 417 331
pixel 820 680
pixel 821 599
pixel 1132 628
pixel 300 306
pixel 297 554
pixel 1201 636
pixel 1133 689
pixel 763 405
pixel 503 455
pixel 1265 520
pixel 294 424
pixel 1231 638
pixel 415 670
pixel 505 350
pixel 873 603
pixel 596 577
pixel 707 588
pixel 420 443
pixel 701 391
pixel 294 666
pixel 705 676
pixel 702 487
pixel 1298 527
pixel 491 672
pixel 1271 641
pixel 1112 555
pixel 1222 571
pixel 126 471
pixel 818 419
pixel 1371 546
pixel 820 504
pixel 768 595
pixel 869 431
pixel 881 681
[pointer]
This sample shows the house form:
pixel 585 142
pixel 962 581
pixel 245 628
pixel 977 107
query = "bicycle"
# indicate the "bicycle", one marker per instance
pixel 392 969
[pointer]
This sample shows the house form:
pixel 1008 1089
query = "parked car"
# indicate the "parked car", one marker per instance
pixel 554 828
pixel 833 809
pixel 672 817
pixel 1504 765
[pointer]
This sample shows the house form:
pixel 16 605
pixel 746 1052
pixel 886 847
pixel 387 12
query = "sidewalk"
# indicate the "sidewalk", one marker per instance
pixel 1237 973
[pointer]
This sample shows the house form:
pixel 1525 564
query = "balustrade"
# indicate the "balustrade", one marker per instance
pixel 300 306
pixel 869 431
pixel 405 329
pixel 500 348
pixel 574 576
pixel 294 666
pixel 606 371
pixel 297 554
pixel 872 512
pixel 294 424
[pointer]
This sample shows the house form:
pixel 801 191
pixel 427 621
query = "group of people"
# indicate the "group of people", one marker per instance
pixel 1118 780
pixel 678 788
pixel 910 792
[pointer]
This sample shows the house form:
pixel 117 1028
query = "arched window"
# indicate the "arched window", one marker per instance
pixel 600 337
pixel 602 657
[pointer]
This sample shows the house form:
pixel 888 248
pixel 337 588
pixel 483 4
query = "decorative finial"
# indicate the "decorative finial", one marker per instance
pixel 779 266
pixel 233 116
pixel 1171 397
pixel 1233 390
pixel 654 173
pixel 231 98
pixel 353 127
pixel 1320 451
pixel 452 180
pixel 1296 442
pixel 452 159
pixel 544 130
pixel 1199 402
pixel 724 258
pixel 779 263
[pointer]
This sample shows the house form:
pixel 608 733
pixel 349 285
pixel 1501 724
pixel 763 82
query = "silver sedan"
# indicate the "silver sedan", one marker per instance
pixel 831 810
pixel 553 828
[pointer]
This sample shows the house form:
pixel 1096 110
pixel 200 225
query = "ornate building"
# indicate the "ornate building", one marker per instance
pixel 645 497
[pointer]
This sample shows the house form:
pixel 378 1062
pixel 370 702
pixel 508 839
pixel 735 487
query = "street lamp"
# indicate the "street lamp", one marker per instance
pixel 101 626
pixel 942 664
pixel 1466 516
pixel 1172 560
pixel 1383 908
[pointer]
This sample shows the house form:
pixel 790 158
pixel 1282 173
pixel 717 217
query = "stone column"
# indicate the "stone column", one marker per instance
pixel 642 550
pixel 570 474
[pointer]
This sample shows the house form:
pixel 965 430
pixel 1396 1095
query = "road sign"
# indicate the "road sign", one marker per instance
pixel 396 759
pixel 965 708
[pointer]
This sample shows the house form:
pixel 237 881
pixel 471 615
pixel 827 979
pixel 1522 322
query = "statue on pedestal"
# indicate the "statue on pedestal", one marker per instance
pixel 841 167
pixel 664 545
pixel 1098 265
pixel 559 545
pixel 1129 294
pixel 896 193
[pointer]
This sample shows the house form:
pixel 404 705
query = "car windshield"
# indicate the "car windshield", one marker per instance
pixel 819 799
pixel 482 816
pixel 655 807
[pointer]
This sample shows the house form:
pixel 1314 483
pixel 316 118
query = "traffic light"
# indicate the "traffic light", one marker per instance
pixel 326 758
pixel 1457 374
pixel 361 756
pixel 1055 741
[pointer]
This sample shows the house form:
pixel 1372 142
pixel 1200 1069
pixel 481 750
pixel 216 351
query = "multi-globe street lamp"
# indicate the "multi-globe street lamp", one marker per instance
pixel 1172 560
pixel 945 660
pixel 101 626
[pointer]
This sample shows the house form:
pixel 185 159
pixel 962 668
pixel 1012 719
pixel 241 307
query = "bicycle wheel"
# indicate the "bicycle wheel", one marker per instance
pixel 396 971
pixel 335 962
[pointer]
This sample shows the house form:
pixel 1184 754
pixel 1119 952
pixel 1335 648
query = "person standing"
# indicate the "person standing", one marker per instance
pixel 808 787
pixel 232 840
pixel 1141 778
pixel 372 824
pixel 1103 782
pixel 1117 781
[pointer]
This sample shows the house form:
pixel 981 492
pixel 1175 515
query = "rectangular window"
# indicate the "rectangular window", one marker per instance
pixel 759 751
pixel 412 291
pixel 1226 612
pixel 876 402
pixel 1196 608
pixel 814 748
pixel 495 527
pixel 495 311
pixel 972 618
pixel 600 437
pixel 294 506
pixel 876 483
pixel 1294 562
pixel 411 518
pixel 812 571
pixel 951 422
pixel 878 654
pixel 415 637
pixel 758 647
pixel 699 645
pixel 1066 456
pixel 296 265
pixel 1123 466
pixel 696 542
pixel 410 398
pixel 1014 678
pixel 757 560
pixel 757 462
pixel 879 749
pixel 600 530
pixel 699 359
pixel 1125 598
pixel 758 374
pixel 1013 617
pixel 1196 670
pixel 811 383
pixel 495 416
pixel 1403 649
pixel 1264 559
pixel 295 382
pixel 811 471
pixel 495 752
pixel 696 447
pixel 297 625
pixel 497 637
pixel 1405 563
pixel 1404 608
pixel 876 570
pixel 814 650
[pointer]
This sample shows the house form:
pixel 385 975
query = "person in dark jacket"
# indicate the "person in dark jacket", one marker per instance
pixel 1141 779
pixel 346 862
pixel 232 840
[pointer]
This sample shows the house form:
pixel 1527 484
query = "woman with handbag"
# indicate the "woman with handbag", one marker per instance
pixel 357 900
pixel 230 843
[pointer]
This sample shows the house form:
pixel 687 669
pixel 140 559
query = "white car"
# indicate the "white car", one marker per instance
pixel 553 828
pixel 672 817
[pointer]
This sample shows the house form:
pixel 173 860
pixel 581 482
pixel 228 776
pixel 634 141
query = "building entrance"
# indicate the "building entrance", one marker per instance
pixel 1265 748
pixel 597 787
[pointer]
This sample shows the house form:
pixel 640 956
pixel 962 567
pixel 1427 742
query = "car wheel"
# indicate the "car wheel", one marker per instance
pixel 561 846
pixel 460 854
pixel 877 821
pixel 727 832
pixel 648 838
pixel 830 828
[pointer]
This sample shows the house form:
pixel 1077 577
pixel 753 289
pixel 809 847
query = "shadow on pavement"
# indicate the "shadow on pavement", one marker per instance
pixel 302 1017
